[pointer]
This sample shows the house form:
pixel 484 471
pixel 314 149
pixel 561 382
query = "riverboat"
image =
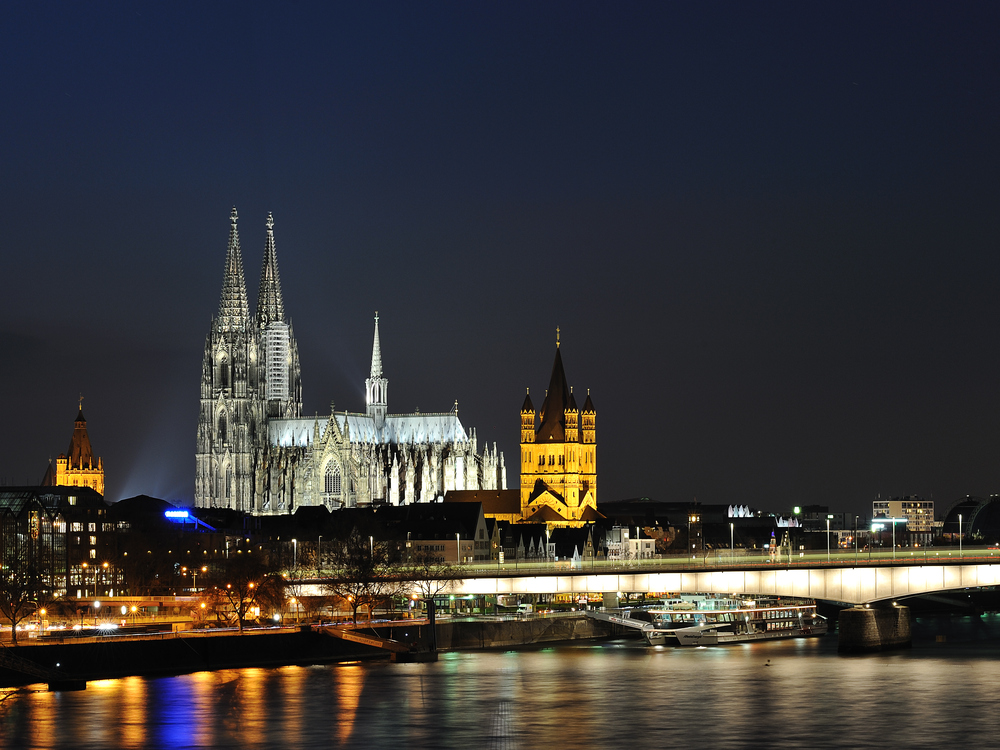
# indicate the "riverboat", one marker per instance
pixel 742 624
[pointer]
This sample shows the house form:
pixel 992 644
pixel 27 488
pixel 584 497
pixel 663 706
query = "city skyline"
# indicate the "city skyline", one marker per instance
pixel 768 235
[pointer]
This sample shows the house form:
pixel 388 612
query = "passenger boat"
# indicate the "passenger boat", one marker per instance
pixel 741 624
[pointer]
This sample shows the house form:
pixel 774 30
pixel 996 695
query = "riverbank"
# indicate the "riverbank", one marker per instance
pixel 76 661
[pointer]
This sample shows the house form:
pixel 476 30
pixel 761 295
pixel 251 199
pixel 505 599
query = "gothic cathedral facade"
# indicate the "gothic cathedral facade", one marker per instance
pixel 559 455
pixel 255 452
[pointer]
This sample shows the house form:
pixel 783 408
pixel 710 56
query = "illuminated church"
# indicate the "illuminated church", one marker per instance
pixel 256 453
pixel 559 455
pixel 77 467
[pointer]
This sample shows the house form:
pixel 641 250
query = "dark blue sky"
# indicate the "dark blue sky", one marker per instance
pixel 769 232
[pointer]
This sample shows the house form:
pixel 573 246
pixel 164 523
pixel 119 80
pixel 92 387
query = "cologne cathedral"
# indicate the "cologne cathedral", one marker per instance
pixel 255 451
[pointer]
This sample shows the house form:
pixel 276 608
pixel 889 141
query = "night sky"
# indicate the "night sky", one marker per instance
pixel 768 232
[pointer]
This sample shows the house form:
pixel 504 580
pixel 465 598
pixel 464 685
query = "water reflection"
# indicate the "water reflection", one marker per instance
pixel 779 694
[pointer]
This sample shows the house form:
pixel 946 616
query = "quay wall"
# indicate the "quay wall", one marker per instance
pixel 109 658
pixel 181 653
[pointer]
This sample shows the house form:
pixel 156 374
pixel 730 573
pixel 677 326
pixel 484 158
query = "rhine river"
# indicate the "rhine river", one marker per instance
pixel 611 694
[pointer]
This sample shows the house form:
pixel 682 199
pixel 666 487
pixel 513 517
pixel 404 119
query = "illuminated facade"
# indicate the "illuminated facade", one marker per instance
pixel 559 455
pixel 256 453
pixel 77 467
pixel 250 373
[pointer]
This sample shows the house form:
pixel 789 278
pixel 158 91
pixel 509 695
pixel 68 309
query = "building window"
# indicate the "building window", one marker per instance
pixel 93 541
pixel 93 554
pixel 91 527
pixel 76 526
pixel 332 480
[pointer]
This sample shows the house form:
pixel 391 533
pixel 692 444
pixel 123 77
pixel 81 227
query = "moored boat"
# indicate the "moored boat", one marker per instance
pixel 741 624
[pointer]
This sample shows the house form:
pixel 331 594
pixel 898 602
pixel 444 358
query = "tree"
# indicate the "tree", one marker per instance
pixel 245 582
pixel 363 574
pixel 428 577
pixel 20 585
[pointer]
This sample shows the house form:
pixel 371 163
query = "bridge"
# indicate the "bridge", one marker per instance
pixel 845 581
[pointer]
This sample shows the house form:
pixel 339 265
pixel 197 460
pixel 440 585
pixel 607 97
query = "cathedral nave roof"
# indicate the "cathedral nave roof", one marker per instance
pixel 399 429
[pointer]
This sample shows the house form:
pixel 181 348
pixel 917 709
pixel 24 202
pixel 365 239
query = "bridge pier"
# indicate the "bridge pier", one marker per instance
pixel 867 629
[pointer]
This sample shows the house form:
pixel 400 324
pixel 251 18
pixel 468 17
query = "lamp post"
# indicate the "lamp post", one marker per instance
pixel 458 546
pixel 959 534
pixel 319 554
pixel 371 546
pixel 295 554
pixel 194 578
pixel 855 540
pixel 732 545
pixel 827 538
pixel 97 607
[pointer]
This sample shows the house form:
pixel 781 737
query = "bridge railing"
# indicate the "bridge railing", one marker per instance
pixel 721 559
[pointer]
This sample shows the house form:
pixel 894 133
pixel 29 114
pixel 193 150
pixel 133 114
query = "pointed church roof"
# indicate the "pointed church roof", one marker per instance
pixel 233 310
pixel 527 405
pixel 80 454
pixel 376 353
pixel 553 413
pixel 270 306
pixel 588 405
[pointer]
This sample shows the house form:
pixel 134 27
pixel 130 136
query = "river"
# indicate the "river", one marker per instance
pixel 611 694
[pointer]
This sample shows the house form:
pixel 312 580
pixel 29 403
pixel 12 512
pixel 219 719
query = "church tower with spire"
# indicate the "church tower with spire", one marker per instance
pixel 250 371
pixel 77 467
pixel 376 386
pixel 559 455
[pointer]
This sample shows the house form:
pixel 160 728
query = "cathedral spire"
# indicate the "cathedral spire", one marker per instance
pixel 376 353
pixel 270 307
pixel 376 386
pixel 233 310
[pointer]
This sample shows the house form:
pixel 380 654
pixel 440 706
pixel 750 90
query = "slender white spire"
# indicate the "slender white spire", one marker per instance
pixel 376 386
pixel 376 353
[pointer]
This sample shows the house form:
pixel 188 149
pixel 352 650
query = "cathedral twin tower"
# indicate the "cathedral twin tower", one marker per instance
pixel 256 453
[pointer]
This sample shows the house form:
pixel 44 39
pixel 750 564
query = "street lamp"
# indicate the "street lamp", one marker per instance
pixel 458 545
pixel 319 554
pixel 194 577
pixel 732 546
pixel 295 554
pixel 828 537
pixel 959 534
pixel 97 607
pixel 855 540
pixel 371 546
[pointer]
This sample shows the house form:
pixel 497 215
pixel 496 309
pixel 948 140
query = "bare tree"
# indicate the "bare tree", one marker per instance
pixel 428 576
pixel 245 582
pixel 363 574
pixel 20 585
